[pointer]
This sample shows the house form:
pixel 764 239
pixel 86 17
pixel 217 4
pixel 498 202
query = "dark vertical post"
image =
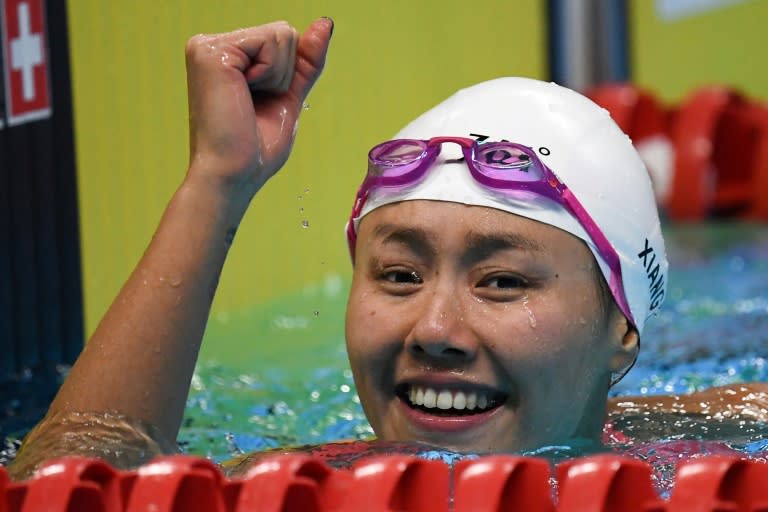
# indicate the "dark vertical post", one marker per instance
pixel 588 42
pixel 7 334
pixel 612 41
pixel 67 230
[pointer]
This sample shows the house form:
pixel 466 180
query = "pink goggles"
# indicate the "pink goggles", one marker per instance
pixel 503 167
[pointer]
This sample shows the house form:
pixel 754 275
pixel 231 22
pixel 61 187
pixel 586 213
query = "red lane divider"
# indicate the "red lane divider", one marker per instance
pixel 720 484
pixel 740 155
pixel 636 111
pixel 13 497
pixel 72 485
pixel 173 484
pixel 399 483
pixel 4 483
pixel 498 483
pixel 646 121
pixel 707 156
pixel 693 135
pixel 607 483
pixel 291 482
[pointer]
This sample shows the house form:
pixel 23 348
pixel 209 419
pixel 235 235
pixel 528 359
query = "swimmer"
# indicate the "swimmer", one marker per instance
pixel 506 255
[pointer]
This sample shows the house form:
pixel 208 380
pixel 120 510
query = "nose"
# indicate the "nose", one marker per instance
pixel 441 330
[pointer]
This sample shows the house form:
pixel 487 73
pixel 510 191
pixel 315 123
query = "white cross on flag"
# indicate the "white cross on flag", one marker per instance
pixel 25 56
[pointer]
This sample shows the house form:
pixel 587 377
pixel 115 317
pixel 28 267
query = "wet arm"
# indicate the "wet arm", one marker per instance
pixel 245 90
pixel 124 399
pixel 747 401
pixel 141 357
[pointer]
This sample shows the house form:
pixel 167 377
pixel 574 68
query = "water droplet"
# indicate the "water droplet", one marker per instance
pixel 301 210
pixel 305 223
pixel 306 190
pixel 298 197
pixel 531 316
pixel 305 105
pixel 316 313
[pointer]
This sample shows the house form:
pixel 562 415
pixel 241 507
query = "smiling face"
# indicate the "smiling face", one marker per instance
pixel 477 330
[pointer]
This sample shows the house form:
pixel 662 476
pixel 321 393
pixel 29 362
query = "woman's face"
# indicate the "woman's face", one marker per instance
pixel 477 330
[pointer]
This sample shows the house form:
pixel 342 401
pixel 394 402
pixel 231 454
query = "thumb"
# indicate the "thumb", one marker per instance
pixel 310 56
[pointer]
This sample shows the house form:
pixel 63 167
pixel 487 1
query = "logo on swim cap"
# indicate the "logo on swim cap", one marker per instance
pixel 656 288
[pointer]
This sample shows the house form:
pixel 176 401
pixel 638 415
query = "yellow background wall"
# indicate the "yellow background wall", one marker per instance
pixel 725 45
pixel 388 62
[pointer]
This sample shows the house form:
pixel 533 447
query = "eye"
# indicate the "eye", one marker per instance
pixel 503 282
pixel 402 277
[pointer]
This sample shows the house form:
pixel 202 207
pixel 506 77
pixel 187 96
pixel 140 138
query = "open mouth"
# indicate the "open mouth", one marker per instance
pixel 449 402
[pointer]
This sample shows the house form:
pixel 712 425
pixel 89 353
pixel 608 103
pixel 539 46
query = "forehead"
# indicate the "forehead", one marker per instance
pixel 446 222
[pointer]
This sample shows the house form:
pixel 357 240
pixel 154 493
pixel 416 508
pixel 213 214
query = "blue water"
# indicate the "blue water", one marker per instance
pixel 713 330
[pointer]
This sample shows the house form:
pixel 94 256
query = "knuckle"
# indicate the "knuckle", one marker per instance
pixel 195 44
pixel 284 29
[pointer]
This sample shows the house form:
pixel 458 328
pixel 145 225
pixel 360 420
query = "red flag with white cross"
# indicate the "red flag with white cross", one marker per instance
pixel 25 57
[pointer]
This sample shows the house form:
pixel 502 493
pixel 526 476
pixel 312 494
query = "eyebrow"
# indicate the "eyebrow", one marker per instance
pixel 415 239
pixel 481 246
pixel 478 246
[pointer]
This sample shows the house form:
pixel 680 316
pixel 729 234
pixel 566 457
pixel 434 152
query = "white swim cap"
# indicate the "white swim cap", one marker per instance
pixel 582 145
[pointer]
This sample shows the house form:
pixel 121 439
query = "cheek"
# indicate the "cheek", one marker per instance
pixel 368 335
pixel 354 332
pixel 555 333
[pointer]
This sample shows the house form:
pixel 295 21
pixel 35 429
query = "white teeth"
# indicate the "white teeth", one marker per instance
pixel 459 401
pixel 445 399
pixel 430 398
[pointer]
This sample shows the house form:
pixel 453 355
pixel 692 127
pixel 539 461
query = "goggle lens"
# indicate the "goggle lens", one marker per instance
pixel 506 161
pixel 395 157
pixel 501 156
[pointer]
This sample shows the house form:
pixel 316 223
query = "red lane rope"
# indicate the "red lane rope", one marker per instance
pixel 299 482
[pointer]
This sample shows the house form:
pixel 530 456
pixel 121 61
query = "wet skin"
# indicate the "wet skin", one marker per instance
pixel 475 300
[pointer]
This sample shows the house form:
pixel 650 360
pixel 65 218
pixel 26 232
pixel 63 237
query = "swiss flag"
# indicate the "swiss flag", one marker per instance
pixel 25 58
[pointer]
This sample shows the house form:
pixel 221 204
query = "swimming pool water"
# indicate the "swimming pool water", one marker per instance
pixel 713 330
pixel 284 379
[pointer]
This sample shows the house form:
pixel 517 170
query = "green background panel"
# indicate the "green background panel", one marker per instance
pixel 723 45
pixel 388 62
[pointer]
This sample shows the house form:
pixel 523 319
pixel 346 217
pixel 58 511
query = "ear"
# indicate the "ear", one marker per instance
pixel 625 342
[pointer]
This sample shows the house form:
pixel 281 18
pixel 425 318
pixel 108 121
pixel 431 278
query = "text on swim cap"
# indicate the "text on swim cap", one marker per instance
pixel 655 276
pixel 479 137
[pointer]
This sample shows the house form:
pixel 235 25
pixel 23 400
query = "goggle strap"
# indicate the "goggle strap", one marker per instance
pixel 604 247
